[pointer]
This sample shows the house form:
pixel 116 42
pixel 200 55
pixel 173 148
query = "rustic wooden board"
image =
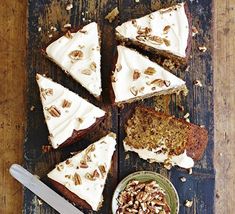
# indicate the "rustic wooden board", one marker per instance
pixel 199 103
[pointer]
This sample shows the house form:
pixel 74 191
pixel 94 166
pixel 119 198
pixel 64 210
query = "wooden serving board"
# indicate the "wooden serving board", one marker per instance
pixel 200 185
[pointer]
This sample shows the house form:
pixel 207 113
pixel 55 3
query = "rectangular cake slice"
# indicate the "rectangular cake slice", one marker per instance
pixel 82 178
pixel 78 54
pixel 166 32
pixel 68 116
pixel 136 77
pixel 157 137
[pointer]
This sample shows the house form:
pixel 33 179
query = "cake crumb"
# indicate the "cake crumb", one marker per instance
pixel 180 107
pixel 187 69
pixel 190 171
pixel 68 25
pixel 39 29
pixel 53 28
pixel 183 179
pixel 188 203
pixel 32 108
pixel 112 15
pixel 202 49
pixel 46 148
pixel 186 116
pixel 194 31
pixel 187 120
pixel 39 202
pixel 127 157
pixel 50 35
pixel 69 6
pixel 197 83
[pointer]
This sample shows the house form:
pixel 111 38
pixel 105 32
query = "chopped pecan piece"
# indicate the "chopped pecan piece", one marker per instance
pixel 93 66
pixel 156 39
pixel 76 54
pixel 161 83
pixel 150 71
pixel 134 91
pixel 68 35
pixel 86 71
pixel 102 170
pixel 83 164
pixel 77 179
pixel 136 74
pixel 166 29
pixel 66 104
pixel 112 15
pixel 54 112
pixel 166 41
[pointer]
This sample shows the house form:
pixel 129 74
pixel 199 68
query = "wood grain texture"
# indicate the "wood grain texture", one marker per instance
pixel 224 93
pixel 12 102
pixel 12 99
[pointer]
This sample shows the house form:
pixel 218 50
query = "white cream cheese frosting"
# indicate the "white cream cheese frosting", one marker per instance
pixel 65 111
pixel 79 55
pixel 153 155
pixel 170 25
pixel 88 187
pixel 155 79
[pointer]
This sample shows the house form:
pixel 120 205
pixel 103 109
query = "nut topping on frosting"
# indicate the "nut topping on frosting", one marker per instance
pixel 66 104
pixel 102 170
pixel 46 92
pixel 161 83
pixel 83 164
pixel 93 176
pixel 77 179
pixel 136 74
pixel 54 112
pixel 134 90
pixel 118 67
pixel 167 42
pixel 156 39
pixel 150 71
pixel 76 55
pixel 68 35
pixel 90 149
pixel 166 29
pixel 93 66
pixel 86 71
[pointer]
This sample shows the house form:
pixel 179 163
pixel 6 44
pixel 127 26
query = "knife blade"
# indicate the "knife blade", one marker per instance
pixel 43 191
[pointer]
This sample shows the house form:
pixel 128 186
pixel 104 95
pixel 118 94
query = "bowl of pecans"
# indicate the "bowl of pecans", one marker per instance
pixel 145 192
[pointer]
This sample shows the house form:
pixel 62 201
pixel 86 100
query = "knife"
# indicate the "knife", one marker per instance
pixel 43 191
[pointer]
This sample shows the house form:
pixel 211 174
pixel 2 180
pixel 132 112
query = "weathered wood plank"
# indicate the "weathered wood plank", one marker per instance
pixel 199 103
pixel 12 91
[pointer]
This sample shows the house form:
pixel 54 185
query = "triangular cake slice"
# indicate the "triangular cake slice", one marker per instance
pixel 78 54
pixel 82 178
pixel 136 77
pixel 158 137
pixel 68 116
pixel 165 32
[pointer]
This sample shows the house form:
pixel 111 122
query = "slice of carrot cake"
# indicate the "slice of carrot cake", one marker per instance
pixel 78 54
pixel 82 178
pixel 68 116
pixel 166 32
pixel 136 78
pixel 157 137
